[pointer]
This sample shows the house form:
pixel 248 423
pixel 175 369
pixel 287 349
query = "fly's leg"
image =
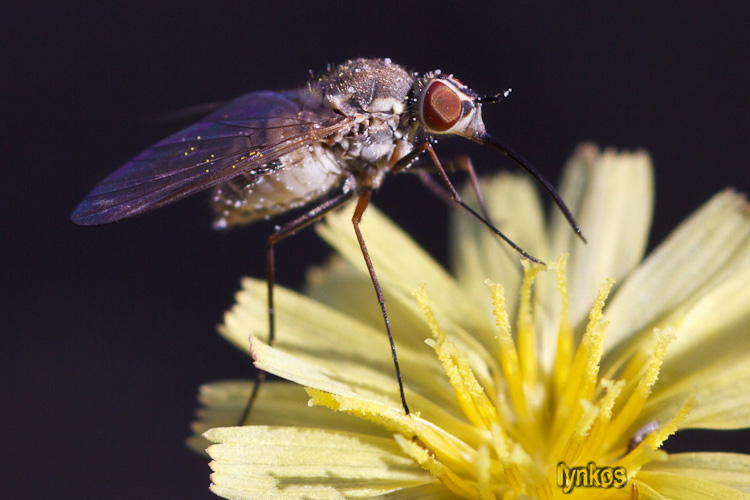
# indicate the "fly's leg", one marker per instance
pixel 362 202
pixel 462 163
pixel 282 232
pixel 407 160
pixel 465 164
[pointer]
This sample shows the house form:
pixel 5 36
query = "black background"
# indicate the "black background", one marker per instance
pixel 108 331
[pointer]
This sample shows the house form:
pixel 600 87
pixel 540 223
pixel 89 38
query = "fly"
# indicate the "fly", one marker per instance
pixel 336 139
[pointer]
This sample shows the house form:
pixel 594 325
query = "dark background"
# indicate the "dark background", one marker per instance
pixel 108 331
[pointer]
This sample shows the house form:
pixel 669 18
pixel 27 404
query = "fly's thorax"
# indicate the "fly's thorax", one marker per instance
pixel 291 181
pixel 371 142
pixel 374 94
pixel 363 86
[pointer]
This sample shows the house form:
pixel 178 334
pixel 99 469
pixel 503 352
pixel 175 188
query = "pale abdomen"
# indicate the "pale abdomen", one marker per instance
pixel 290 182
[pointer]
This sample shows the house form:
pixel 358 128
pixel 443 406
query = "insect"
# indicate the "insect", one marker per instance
pixel 641 434
pixel 336 139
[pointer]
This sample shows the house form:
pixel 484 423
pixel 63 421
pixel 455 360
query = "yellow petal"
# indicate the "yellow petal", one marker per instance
pixel 712 356
pixel 478 254
pixel 723 396
pixel 676 485
pixel 278 403
pixel 711 244
pixel 611 194
pixel 401 265
pixel 432 491
pixel 333 340
pixel 343 287
pixel 713 327
pixel 293 462
pixel 729 469
pixel 342 377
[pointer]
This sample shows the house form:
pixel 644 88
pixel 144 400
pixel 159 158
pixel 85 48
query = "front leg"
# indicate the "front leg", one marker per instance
pixel 362 203
pixel 408 159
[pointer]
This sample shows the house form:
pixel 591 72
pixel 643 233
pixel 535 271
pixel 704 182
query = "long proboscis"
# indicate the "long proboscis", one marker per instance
pixel 520 160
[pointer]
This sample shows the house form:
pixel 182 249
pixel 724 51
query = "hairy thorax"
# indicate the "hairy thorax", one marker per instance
pixel 371 95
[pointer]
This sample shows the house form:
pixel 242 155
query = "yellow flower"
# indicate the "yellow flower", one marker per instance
pixel 534 383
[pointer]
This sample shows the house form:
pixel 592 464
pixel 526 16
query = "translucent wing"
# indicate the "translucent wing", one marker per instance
pixel 250 131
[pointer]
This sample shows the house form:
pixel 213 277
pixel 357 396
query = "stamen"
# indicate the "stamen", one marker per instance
pixel 420 455
pixel 543 490
pixel 424 306
pixel 509 356
pixel 501 447
pixel 471 396
pixel 656 438
pixel 585 369
pixel 564 354
pixel 638 398
pixel 577 439
pixel 482 464
pixel 600 429
pixel 527 341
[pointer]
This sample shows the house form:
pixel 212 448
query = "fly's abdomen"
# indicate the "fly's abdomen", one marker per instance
pixel 289 182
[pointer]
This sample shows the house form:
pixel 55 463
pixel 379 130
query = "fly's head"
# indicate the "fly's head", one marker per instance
pixel 442 104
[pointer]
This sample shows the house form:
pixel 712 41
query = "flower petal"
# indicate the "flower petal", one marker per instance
pixel 356 382
pixel 714 326
pixel 723 397
pixel 293 462
pixel 678 485
pixel 478 254
pixel 278 403
pixel 431 491
pixel 709 247
pixel 340 377
pixel 729 469
pixel 343 287
pixel 401 266
pixel 611 194
pixel 712 356
pixel 336 343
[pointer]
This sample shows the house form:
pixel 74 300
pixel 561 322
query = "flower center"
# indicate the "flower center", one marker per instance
pixel 531 427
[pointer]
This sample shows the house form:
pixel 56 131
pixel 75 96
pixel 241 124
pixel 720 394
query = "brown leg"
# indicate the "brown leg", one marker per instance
pixel 464 163
pixel 426 146
pixel 362 202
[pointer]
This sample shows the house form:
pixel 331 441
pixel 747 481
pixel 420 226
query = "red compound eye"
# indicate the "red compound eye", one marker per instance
pixel 441 107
